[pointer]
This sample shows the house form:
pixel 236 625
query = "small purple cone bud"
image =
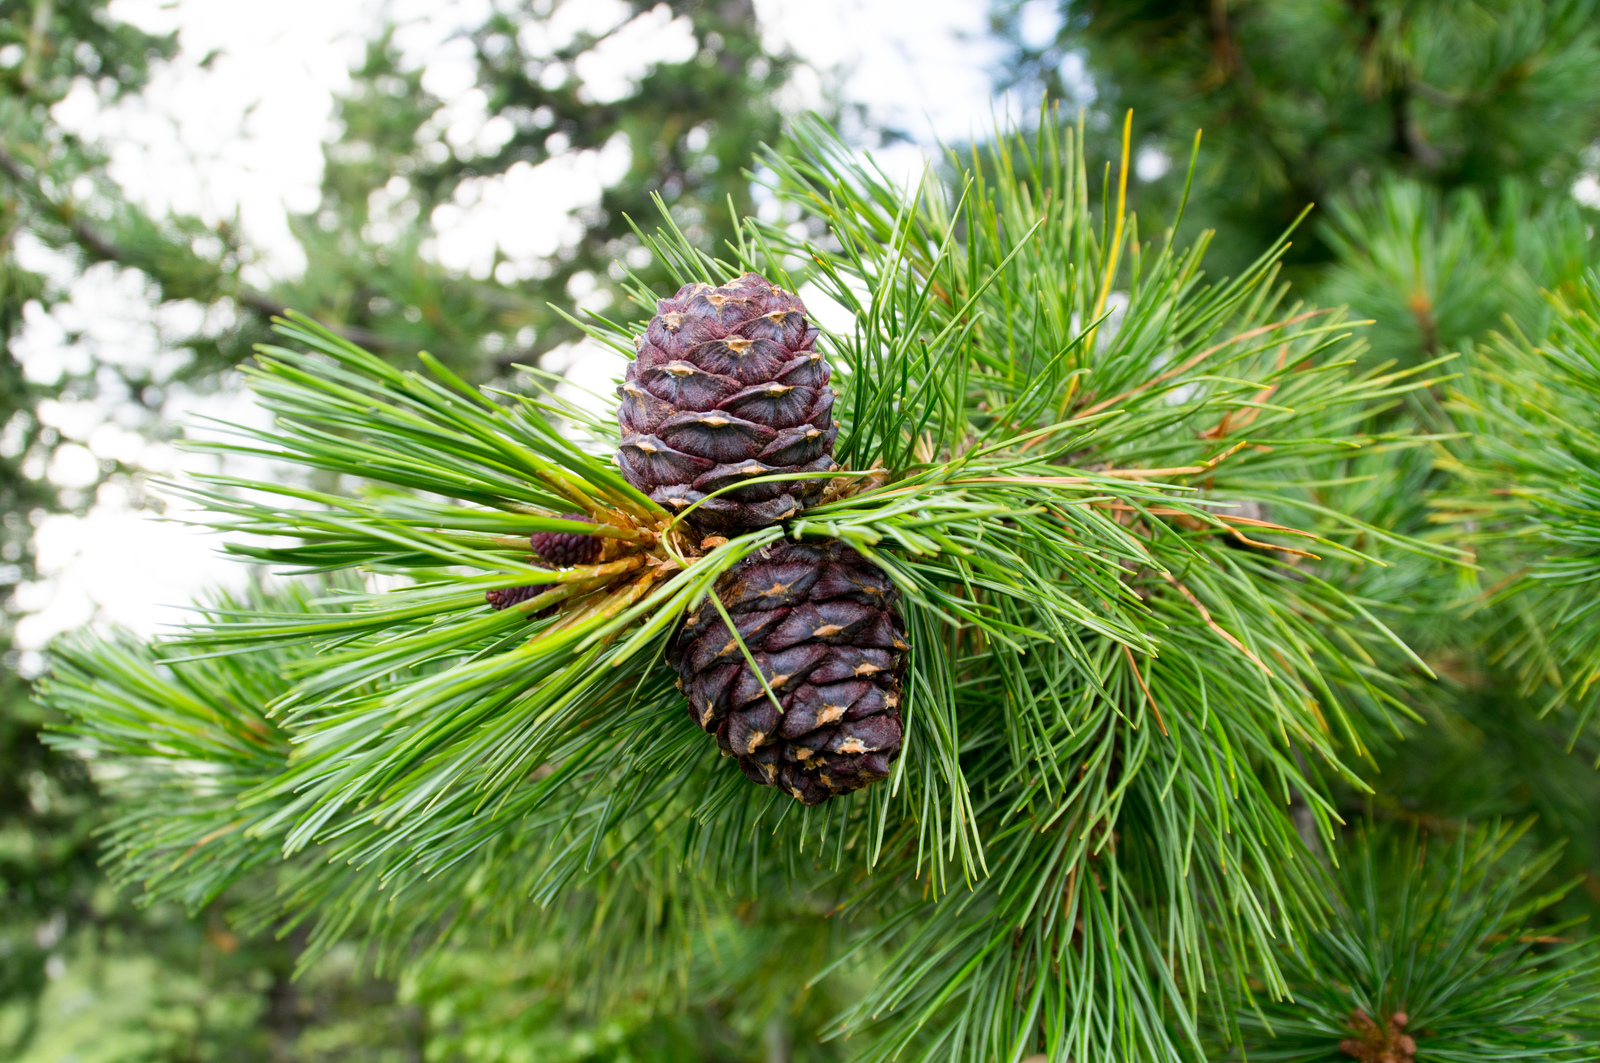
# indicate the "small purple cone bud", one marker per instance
pixel 506 597
pixel 565 549
pixel 551 550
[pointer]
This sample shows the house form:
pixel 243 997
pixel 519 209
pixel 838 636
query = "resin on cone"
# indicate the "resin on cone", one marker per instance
pixel 726 387
pixel 822 623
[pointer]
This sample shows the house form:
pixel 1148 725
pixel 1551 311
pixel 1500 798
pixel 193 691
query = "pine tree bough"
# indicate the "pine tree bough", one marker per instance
pixel 1086 852
pixel 728 388
pixel 821 623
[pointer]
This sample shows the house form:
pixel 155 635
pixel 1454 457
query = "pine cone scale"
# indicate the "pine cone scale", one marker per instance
pixel 685 384
pixel 779 586
pixel 646 457
pixel 775 404
pixel 798 446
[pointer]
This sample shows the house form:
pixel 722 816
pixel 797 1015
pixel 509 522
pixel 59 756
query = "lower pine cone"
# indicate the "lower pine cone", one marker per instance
pixel 821 622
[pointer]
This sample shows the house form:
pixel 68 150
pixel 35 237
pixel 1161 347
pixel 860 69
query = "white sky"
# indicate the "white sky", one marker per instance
pixel 243 135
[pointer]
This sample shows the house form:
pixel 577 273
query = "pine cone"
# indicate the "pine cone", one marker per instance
pixel 725 388
pixel 820 621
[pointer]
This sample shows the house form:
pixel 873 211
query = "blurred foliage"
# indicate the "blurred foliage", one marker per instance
pixel 520 1006
pixel 1303 103
pixel 1438 272
pixel 83 974
pixel 682 130
pixel 49 885
pixel 155 985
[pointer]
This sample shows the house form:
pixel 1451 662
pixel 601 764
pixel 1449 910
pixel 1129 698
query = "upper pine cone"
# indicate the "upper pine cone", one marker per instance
pixel 726 387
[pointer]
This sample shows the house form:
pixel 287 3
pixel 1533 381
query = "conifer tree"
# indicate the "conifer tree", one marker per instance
pixel 684 129
pixel 1132 563
pixel 1304 104
pixel 48 874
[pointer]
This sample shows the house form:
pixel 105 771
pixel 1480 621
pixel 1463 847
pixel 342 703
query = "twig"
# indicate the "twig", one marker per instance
pixel 1205 615
pixel 1246 416
pixel 1243 538
pixel 1167 511
pixel 1147 695
pixel 1193 523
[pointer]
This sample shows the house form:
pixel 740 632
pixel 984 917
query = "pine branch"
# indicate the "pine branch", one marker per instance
pixel 1434 954
pixel 1532 407
pixel 1110 696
